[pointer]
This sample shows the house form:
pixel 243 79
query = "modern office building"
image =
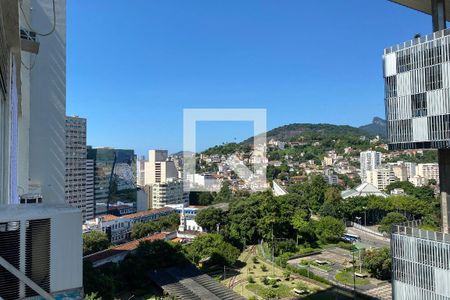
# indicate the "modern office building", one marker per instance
pixel 114 179
pixel 76 155
pixel 417 83
pixel 369 160
pixel 39 241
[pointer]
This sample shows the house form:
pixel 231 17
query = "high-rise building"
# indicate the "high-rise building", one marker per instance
pixel 369 160
pixel 161 180
pixel 114 180
pixel 428 171
pixel 381 177
pixel 40 241
pixel 76 154
pixel 140 171
pixel 417 84
pixel 90 174
pixel 158 168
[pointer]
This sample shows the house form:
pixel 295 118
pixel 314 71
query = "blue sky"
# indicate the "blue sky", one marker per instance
pixel 132 69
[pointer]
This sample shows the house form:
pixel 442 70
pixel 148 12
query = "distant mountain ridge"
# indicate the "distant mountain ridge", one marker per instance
pixel 377 127
pixel 309 132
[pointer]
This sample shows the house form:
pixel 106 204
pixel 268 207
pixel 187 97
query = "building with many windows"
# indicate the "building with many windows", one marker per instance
pixel 118 228
pixel 369 160
pixel 114 179
pixel 428 171
pixel 76 154
pixel 381 177
pixel 417 98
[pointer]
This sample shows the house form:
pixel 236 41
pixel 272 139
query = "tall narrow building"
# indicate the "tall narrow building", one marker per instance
pixel 90 206
pixel 417 98
pixel 369 160
pixel 76 155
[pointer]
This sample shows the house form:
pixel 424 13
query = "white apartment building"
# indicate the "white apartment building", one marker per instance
pixel 76 155
pixel 418 180
pixel 428 171
pixel 165 193
pixel 381 177
pixel 41 241
pixel 401 172
pixel 369 160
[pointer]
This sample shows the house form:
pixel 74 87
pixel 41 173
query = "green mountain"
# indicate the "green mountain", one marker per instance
pixel 377 127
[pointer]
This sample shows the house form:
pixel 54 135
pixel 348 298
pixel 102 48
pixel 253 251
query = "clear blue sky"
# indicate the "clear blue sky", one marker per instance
pixel 132 66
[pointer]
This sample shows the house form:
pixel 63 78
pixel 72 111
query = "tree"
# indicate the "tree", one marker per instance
pixel 243 219
pixel 141 230
pixel 96 282
pixel 332 203
pixel 94 241
pixel 225 194
pixel 212 246
pixel 209 218
pixel 329 229
pixel 390 219
pixel 378 263
pixel 92 296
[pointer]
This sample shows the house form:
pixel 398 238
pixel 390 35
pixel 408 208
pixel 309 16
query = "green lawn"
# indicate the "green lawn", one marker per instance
pixel 281 290
pixel 346 277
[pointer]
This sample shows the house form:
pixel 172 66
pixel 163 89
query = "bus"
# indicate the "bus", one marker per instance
pixel 351 237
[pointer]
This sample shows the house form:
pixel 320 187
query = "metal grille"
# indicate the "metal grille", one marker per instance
pixel 37 260
pixel 10 251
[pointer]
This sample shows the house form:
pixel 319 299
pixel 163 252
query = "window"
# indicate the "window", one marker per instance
pixel 390 86
pixel 419 105
pixel 433 78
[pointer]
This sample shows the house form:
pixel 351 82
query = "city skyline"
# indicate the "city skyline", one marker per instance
pixel 256 57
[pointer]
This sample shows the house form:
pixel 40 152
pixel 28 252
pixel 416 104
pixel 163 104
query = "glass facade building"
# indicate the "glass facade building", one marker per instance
pixel 114 180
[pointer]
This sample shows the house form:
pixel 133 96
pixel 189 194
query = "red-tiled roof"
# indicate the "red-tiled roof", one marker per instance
pixel 127 247
pixel 148 212
pixel 107 218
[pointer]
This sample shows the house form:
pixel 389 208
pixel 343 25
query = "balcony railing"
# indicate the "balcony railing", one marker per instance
pixel 410 228
pixel 417 41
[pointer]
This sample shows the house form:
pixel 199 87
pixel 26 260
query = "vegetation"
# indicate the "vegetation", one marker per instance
pixel 330 229
pixel 94 241
pixel 210 217
pixel 391 219
pixel 378 263
pixel 166 223
pixel 214 247
pixel 348 278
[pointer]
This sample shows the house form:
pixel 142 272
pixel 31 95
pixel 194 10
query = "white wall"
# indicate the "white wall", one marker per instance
pixel 48 102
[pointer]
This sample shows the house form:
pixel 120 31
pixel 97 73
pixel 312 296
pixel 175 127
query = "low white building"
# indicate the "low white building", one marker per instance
pixel 363 190
pixel 119 228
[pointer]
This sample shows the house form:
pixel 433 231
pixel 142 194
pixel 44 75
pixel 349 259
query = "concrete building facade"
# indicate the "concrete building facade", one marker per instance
pixel 369 160
pixel 40 242
pixel 76 155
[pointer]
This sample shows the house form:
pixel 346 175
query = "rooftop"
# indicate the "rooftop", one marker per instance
pixel 418 41
pixel 127 247
pixel 411 229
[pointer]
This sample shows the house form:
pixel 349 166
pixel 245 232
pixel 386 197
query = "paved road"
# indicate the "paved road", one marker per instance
pixel 369 239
